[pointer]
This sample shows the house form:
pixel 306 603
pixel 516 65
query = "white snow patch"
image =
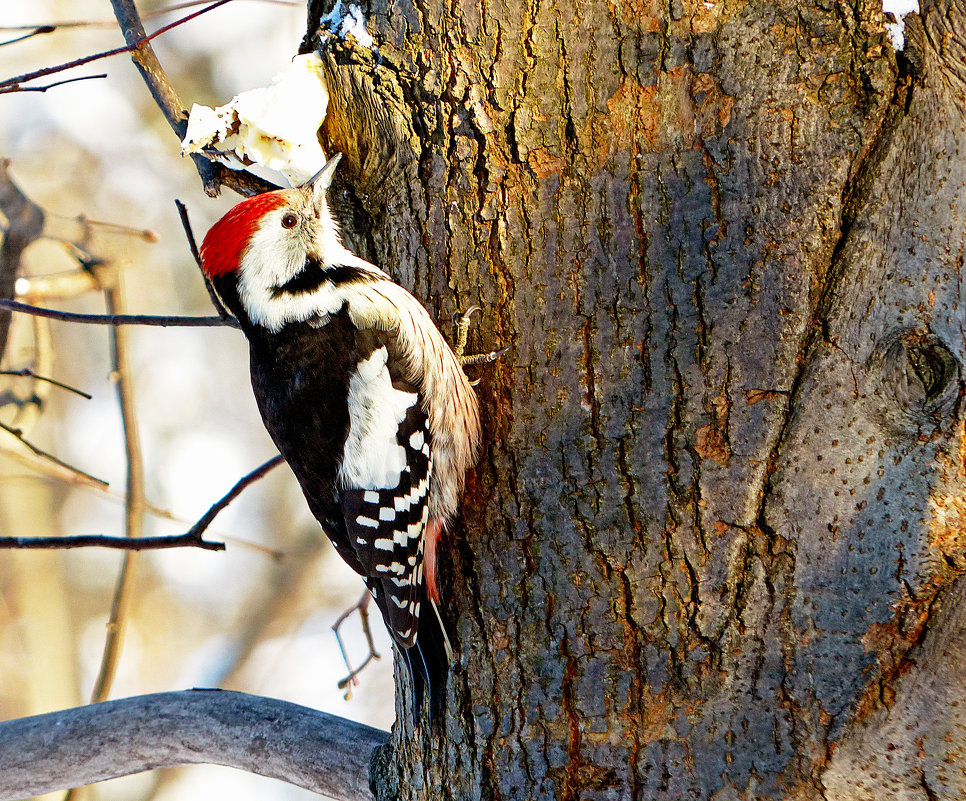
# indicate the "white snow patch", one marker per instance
pixel 898 8
pixel 275 126
pixel 342 23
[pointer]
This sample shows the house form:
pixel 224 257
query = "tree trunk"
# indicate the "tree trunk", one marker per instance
pixel 712 541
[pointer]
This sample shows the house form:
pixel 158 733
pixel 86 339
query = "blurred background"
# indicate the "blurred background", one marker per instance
pixel 256 617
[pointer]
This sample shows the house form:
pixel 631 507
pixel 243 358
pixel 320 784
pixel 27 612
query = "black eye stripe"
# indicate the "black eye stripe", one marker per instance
pixel 313 274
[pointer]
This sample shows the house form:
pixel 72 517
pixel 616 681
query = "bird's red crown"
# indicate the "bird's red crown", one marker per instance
pixel 222 249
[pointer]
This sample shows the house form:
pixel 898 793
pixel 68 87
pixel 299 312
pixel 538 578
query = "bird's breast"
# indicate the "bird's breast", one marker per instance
pixel 300 377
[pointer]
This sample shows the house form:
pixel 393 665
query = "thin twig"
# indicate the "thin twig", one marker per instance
pixel 213 174
pixel 117 543
pixel 127 48
pixel 45 455
pixel 112 23
pixel 6 90
pixel 198 528
pixel 363 608
pixel 189 234
pixel 135 502
pixel 117 228
pixel 196 254
pixel 35 32
pixel 116 319
pixel 55 472
pixel 28 373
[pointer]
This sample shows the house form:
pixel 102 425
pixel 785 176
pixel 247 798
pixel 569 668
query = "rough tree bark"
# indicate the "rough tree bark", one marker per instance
pixel 712 547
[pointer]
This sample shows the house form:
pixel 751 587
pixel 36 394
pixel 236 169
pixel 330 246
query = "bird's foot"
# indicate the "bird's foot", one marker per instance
pixel 462 323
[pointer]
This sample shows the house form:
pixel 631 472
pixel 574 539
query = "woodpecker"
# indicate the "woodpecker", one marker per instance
pixel 363 397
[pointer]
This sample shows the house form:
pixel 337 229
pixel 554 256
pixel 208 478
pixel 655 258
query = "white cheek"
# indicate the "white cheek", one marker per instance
pixel 272 258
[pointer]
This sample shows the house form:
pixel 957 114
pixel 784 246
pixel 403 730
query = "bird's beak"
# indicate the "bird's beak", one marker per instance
pixel 322 180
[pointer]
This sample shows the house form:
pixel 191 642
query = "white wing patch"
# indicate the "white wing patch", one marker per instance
pixel 373 457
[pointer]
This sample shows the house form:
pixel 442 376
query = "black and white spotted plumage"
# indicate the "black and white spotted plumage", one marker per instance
pixel 386 528
pixel 363 397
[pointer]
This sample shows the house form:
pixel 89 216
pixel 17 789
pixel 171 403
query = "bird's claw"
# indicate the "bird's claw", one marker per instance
pixel 483 358
pixel 462 323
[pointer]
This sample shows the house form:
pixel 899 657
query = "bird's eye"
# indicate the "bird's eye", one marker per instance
pixel 289 221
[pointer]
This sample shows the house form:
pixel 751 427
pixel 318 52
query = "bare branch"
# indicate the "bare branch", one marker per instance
pixel 11 89
pixel 362 606
pixel 213 175
pixel 116 319
pixel 188 232
pixel 56 286
pixel 135 501
pixel 44 454
pixel 111 23
pixel 198 528
pixel 27 373
pixel 145 234
pixel 131 45
pixel 40 29
pixel 320 752
pixel 57 471
pixel 196 254
pixel 117 543
pixel 144 58
pixel 52 471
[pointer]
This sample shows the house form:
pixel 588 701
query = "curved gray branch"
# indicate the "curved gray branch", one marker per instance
pixel 302 746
